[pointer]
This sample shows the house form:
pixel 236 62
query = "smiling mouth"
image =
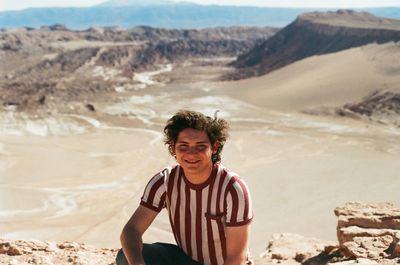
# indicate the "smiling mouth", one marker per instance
pixel 192 162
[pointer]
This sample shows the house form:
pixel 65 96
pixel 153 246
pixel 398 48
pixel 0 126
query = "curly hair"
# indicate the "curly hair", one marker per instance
pixel 216 129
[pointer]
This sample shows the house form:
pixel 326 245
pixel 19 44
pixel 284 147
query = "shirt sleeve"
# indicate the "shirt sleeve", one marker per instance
pixel 154 193
pixel 238 203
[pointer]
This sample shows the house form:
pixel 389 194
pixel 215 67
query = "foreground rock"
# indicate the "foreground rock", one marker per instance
pixel 37 252
pixel 369 230
pixel 294 249
pixel 367 234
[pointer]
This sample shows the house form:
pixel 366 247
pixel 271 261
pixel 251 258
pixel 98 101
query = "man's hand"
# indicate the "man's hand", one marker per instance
pixel 131 236
pixel 237 242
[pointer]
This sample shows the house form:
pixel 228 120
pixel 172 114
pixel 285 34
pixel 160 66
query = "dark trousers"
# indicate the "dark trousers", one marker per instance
pixel 160 254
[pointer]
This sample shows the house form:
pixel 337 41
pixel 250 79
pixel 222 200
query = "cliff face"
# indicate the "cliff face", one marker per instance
pixel 315 34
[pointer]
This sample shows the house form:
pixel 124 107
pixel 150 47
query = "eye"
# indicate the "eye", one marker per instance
pixel 201 147
pixel 183 147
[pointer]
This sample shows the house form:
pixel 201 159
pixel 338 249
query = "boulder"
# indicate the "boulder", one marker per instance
pixel 287 248
pixel 47 253
pixel 396 245
pixel 368 247
pixel 379 215
pixel 346 234
pixel 369 230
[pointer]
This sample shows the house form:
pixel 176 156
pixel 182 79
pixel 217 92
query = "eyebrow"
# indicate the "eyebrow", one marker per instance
pixel 201 142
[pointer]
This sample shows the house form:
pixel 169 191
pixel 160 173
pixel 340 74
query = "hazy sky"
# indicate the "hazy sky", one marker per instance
pixel 21 4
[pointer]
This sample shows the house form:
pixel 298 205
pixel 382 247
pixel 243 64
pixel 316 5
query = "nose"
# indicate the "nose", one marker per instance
pixel 192 150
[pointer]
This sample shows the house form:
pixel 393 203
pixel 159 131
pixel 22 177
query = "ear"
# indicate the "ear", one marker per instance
pixel 215 147
pixel 172 149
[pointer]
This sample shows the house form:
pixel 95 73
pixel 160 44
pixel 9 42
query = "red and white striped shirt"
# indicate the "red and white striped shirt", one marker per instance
pixel 199 213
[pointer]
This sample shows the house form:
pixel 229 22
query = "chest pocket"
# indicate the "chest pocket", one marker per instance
pixel 215 225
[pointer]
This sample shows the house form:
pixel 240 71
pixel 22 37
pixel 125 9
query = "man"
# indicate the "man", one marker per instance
pixel 209 206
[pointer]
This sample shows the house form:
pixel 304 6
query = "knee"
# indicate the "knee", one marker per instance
pixel 120 259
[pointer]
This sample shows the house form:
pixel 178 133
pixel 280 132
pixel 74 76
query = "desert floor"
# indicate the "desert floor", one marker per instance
pixel 80 177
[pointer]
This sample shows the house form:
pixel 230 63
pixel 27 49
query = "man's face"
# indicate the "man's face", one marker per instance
pixel 193 152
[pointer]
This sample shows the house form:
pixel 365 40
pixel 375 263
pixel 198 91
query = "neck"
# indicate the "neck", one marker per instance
pixel 199 178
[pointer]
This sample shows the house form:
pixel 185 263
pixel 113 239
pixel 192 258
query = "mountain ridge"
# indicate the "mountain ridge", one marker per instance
pixel 136 2
pixel 308 36
pixel 180 15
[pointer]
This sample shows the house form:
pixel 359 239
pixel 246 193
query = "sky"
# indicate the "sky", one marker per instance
pixel 21 4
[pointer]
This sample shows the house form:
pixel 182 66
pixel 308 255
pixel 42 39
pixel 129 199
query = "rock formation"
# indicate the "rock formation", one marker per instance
pixel 315 34
pixel 15 252
pixel 369 231
pixel 382 106
pixel 293 249
pixel 367 234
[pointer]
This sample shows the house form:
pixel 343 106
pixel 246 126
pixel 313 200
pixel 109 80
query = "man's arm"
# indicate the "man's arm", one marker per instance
pixel 237 242
pixel 131 236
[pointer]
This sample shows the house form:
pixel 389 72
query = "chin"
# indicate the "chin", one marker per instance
pixel 191 167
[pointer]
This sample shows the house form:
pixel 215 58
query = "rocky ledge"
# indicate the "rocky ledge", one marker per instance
pixel 367 234
pixel 14 252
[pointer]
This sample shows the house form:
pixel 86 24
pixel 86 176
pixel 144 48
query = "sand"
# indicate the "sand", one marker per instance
pixel 323 81
pixel 61 184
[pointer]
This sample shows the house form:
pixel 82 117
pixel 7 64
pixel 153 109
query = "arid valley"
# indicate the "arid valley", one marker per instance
pixel 80 139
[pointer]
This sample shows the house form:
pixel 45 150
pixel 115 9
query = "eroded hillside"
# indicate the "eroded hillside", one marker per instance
pixel 53 65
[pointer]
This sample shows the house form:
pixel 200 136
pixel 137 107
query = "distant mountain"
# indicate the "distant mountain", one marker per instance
pixel 136 3
pixel 315 33
pixel 166 16
pixel 160 13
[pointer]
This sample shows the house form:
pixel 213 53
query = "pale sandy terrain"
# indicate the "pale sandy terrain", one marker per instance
pixel 84 184
pixel 323 81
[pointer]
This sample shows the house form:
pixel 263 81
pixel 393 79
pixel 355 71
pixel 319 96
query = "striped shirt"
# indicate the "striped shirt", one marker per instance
pixel 199 213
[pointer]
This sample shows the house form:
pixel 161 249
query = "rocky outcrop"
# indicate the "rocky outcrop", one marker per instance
pixel 384 102
pixel 180 49
pixel 369 230
pixel 367 234
pixel 45 36
pixel 149 34
pixel 382 106
pixel 315 34
pixel 376 216
pixel 45 253
pixel 290 248
pixel 68 61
